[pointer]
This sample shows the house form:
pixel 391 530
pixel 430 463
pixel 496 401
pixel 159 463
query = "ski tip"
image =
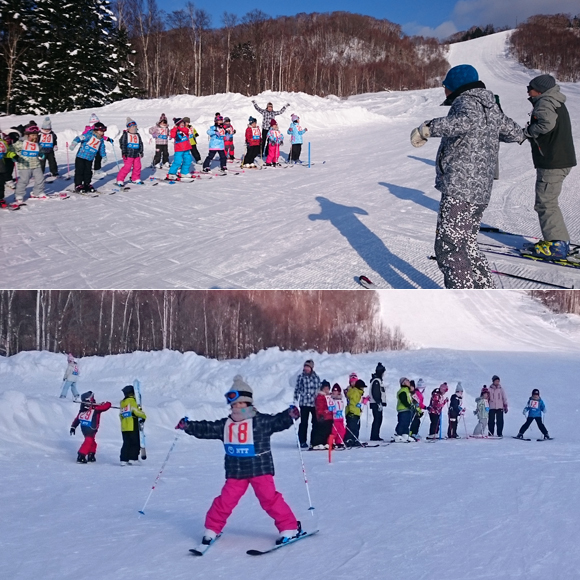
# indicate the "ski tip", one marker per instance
pixel 142 512
pixel 254 552
pixel 195 552
pixel 311 508
pixel 365 282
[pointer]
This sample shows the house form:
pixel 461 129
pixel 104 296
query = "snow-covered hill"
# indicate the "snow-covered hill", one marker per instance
pixel 470 509
pixel 370 209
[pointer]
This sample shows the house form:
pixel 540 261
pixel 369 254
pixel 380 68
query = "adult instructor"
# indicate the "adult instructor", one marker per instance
pixel 498 405
pixel 268 114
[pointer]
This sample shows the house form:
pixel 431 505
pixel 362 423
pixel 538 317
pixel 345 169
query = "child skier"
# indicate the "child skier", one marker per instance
pixel 92 142
pixel 130 415
pixel 193 135
pixel 324 417
pixel 253 140
pixel 337 408
pixel 354 397
pixel 405 411
pixel 70 378
pixel 88 417
pixel 482 413
pixel 182 159
pixel 229 138
pixel 132 150
pixel 435 408
pixel 99 157
pixel 7 153
pixel 216 144
pixel 534 410
pixel 455 411
pixel 29 156
pixel 48 147
pixel 296 131
pixel 246 436
pixel 160 132
pixel 275 139
pixel 419 409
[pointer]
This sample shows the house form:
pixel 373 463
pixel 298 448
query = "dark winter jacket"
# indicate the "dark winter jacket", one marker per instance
pixel 550 131
pixel 455 406
pixel 307 387
pixel 471 132
pixel 6 152
pixel 131 145
pixel 89 418
pixel 263 427
pixel 378 395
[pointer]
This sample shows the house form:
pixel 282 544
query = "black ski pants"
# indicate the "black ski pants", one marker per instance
pixel 264 144
pixel 131 446
pixel 352 430
pixel 98 161
pixel 161 154
pixel 495 415
pixel 434 425
pixel 4 177
pixel 83 172
pixel 252 152
pixel 196 154
pixel 452 429
pixel 320 432
pixel 529 421
pixel 377 421
pixel 211 155
pixel 415 424
pixel 305 412
pixel 295 152
pixel 52 164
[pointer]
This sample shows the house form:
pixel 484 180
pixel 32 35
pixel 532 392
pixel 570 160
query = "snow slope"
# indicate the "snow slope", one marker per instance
pixel 370 209
pixel 469 509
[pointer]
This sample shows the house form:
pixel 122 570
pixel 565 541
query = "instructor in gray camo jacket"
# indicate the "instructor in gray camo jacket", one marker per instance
pixel 465 166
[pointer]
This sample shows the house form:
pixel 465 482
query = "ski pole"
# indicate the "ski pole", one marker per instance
pixel 308 154
pixel 142 511
pixel 67 163
pixel 116 160
pixel 311 508
pixel 465 425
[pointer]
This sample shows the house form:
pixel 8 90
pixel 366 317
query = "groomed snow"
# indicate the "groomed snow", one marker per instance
pixel 465 509
pixel 371 209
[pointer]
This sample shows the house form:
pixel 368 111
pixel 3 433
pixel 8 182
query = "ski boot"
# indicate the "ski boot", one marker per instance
pixel 138 182
pixel 303 445
pixel 288 535
pixel 547 437
pixel 81 458
pixel 119 184
pixel 555 250
pixel 91 457
pixel 90 189
pixel 208 537
pixel 520 436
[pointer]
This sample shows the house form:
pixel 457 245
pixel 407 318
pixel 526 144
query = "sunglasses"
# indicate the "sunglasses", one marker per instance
pixel 232 396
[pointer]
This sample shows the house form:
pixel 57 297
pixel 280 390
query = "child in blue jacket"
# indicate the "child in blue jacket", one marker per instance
pixel 296 131
pixel 216 144
pixel 92 142
pixel 534 410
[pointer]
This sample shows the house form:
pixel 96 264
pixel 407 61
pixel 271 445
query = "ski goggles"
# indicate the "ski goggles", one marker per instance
pixel 131 124
pixel 233 396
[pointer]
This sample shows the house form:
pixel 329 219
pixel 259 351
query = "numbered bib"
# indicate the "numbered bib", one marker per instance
pixel 162 136
pixel 86 418
pixel 534 404
pixel 256 133
pixel 132 141
pixel 338 411
pixel 30 149
pixel 126 411
pixel 75 370
pixel 46 140
pixel 3 149
pixel 239 438
pixel 93 143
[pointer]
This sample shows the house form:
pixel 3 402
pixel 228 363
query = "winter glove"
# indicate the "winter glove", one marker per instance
pixel 287 104
pixel 505 410
pixel 42 156
pixel 253 101
pixel 182 423
pixel 55 148
pixel 525 412
pixel 475 412
pixel 365 400
pixel 72 430
pixel 104 161
pixel 294 412
pixel 109 139
pixel 73 145
pixel 420 135
pixel 140 154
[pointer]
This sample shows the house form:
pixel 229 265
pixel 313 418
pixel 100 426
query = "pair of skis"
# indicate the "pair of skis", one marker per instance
pixel 142 441
pixel 528 439
pixel 203 548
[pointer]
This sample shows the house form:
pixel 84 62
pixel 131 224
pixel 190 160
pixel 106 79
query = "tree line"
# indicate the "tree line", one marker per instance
pixel 217 324
pixel 560 301
pixel 318 54
pixel 550 44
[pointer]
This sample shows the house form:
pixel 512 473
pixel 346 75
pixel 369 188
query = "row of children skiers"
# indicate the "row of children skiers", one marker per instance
pixel 329 410
pixel 32 147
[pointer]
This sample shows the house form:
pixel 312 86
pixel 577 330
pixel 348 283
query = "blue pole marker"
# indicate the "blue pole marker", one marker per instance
pixel 309 154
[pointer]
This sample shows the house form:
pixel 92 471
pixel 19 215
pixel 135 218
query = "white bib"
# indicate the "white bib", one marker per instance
pixel 239 438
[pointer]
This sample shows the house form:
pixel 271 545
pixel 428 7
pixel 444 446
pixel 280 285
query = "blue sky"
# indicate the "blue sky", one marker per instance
pixel 431 18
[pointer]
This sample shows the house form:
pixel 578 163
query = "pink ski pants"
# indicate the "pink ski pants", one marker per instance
pixel 129 163
pixel 273 153
pixel 271 501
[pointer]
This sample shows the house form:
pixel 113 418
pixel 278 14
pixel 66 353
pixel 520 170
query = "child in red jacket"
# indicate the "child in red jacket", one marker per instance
pixel 88 417
pixel 253 140
pixel 246 435
pixel 324 417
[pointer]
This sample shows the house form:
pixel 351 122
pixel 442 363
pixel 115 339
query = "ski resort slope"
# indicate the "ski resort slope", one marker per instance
pixel 467 320
pixel 469 508
pixel 370 209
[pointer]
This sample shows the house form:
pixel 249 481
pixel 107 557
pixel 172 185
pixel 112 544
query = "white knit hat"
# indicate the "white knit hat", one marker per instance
pixel 245 391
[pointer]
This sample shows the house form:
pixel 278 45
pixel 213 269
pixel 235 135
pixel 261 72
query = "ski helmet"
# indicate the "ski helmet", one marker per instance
pixel 99 127
pixel 88 397
pixel 32 130
pixel 128 390
pixel 536 392
pixel 227 120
